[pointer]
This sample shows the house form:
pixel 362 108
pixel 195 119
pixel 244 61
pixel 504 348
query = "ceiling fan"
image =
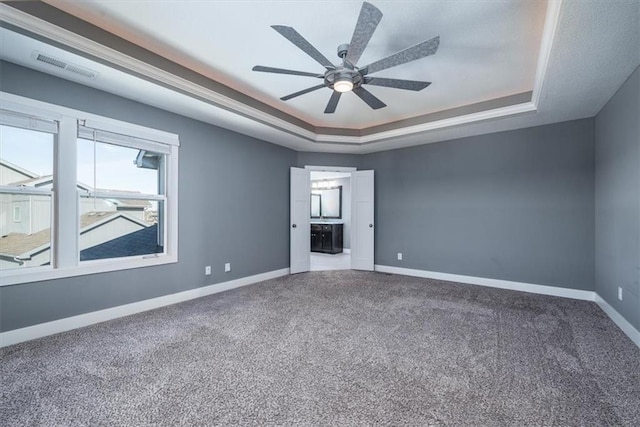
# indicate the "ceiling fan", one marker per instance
pixel 348 76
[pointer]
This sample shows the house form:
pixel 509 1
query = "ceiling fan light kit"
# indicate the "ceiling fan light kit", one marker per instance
pixel 348 77
pixel 343 85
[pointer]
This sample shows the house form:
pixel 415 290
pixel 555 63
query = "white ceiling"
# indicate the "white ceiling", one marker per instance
pixel 493 51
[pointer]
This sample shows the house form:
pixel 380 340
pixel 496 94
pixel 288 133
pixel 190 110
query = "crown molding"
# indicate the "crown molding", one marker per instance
pixel 84 45
pixel 546 44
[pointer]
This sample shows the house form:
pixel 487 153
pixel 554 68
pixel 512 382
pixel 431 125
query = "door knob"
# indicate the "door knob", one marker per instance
pixel 293 226
pixel 370 225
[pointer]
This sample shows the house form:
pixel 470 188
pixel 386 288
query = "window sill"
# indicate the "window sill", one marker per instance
pixel 38 274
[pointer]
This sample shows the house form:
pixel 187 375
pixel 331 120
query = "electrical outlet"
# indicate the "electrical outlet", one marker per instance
pixel 399 256
pixel 619 293
pixel 227 267
pixel 207 270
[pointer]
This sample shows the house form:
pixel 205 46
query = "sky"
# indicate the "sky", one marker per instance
pixel 114 165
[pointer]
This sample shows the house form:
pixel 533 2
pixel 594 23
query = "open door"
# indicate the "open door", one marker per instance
pixel 299 221
pixel 362 224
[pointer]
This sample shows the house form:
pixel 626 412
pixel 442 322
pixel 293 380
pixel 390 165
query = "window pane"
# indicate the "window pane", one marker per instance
pixel 111 228
pixel 108 167
pixel 25 227
pixel 26 160
pixel 26 157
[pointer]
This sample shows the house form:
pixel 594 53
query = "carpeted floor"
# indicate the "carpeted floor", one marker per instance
pixel 334 348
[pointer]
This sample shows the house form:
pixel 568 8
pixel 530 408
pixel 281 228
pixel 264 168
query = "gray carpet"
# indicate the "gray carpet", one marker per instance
pixel 334 348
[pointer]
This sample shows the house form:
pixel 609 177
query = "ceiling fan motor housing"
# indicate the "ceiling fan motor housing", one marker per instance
pixel 342 73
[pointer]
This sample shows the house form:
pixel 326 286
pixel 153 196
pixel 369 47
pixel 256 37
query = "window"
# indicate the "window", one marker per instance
pixel 17 214
pixel 115 200
pixel 122 209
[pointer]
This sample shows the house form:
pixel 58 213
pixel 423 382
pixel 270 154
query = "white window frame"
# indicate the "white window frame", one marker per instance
pixel 17 214
pixel 65 252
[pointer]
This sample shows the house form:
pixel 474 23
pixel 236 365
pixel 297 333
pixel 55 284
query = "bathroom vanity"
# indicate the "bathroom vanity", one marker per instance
pixel 326 237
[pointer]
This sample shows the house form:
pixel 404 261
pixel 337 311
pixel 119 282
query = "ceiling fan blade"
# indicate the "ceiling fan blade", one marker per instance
pixel 396 83
pixel 368 97
pixel 425 48
pixel 333 102
pixel 294 37
pixel 302 92
pixel 367 23
pixel 283 71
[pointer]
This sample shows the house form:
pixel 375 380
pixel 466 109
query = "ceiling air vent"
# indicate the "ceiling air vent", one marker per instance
pixel 64 65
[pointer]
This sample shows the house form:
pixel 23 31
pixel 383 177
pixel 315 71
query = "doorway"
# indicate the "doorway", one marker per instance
pixel 330 220
pixel 326 237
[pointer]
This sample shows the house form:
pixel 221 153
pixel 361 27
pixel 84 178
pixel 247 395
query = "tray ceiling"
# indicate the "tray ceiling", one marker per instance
pixel 500 65
pixel 488 49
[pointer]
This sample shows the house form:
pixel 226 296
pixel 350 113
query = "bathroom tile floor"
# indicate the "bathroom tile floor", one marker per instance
pixel 321 262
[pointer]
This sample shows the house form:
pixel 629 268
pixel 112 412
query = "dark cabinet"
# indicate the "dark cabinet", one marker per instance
pixel 326 238
pixel 316 238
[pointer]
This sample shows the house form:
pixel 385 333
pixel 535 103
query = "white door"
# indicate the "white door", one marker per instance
pixel 299 221
pixel 362 224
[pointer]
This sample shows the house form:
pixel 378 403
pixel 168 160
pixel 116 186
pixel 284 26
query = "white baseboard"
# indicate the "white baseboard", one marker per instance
pixel 617 318
pixel 49 328
pixel 493 283
pixel 346 251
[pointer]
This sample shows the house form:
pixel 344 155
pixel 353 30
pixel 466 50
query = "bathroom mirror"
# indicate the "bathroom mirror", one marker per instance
pixel 329 203
pixel 316 203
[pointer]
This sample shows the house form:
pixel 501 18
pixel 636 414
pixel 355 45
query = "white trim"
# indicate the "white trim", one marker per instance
pixel 38 274
pixel 28 191
pixel 620 321
pixel 54 327
pixel 526 107
pixel 48 30
pixel 548 36
pixel 616 317
pixel 27 121
pixel 346 250
pixel 492 283
pixel 330 168
pixel 65 244
pixel 117 195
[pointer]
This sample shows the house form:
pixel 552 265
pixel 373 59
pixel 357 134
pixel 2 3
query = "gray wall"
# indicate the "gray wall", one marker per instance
pixel 617 200
pixel 231 186
pixel 514 205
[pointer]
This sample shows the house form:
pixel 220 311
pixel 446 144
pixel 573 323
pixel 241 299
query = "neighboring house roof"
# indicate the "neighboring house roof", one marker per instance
pixel 20 170
pixel 39 181
pixel 133 203
pixel 141 242
pixel 24 245
pixel 91 218
pixel 129 203
pixel 16 244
